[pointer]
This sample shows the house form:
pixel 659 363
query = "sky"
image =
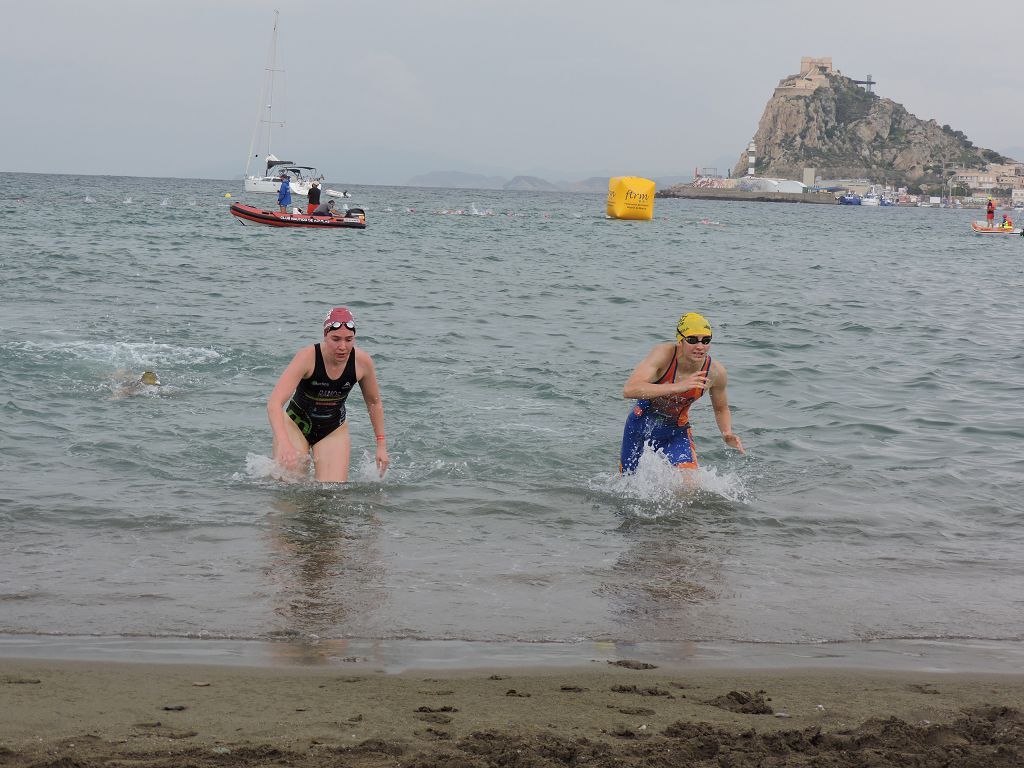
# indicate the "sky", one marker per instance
pixel 376 92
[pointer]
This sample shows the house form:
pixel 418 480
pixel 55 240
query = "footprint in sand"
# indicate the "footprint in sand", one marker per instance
pixel 651 691
pixel 631 664
pixel 641 711
pixel 433 734
pixel 743 702
pixel 434 717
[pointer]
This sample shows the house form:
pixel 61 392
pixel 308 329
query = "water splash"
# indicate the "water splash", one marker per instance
pixel 264 468
pixel 259 467
pixel 665 489
pixel 121 354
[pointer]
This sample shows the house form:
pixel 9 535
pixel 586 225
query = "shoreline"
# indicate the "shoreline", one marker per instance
pixel 948 656
pixel 86 713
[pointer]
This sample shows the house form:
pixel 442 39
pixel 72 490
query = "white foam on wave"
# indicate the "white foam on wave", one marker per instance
pixel 121 354
pixel 365 469
pixel 259 467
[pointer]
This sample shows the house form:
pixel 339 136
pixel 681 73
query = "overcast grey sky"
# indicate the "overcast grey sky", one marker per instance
pixel 377 91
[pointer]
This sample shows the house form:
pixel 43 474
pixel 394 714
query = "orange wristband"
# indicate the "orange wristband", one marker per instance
pixel 380 437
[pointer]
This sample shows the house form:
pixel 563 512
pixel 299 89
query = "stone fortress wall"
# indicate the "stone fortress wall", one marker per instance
pixel 812 76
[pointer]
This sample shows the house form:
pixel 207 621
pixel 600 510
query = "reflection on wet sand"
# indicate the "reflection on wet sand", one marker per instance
pixel 666 578
pixel 327 574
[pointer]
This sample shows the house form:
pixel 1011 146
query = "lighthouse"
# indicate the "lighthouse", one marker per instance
pixel 750 158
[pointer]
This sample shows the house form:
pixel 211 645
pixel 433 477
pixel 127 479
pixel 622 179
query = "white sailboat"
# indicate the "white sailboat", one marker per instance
pixel 267 178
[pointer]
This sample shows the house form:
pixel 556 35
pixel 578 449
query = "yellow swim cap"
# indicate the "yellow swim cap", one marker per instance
pixel 692 324
pixel 149 378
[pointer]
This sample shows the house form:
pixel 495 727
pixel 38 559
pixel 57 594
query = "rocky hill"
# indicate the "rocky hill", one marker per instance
pixel 531 184
pixel 824 120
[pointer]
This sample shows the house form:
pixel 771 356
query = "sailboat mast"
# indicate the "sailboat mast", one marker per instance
pixel 266 100
pixel 270 86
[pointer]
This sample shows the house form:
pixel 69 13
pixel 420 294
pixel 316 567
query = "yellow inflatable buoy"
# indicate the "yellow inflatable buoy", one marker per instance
pixel 630 197
pixel 227 194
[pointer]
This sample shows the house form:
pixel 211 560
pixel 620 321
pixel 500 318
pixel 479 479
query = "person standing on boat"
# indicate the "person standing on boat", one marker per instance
pixel 665 384
pixel 284 193
pixel 314 196
pixel 990 212
pixel 307 407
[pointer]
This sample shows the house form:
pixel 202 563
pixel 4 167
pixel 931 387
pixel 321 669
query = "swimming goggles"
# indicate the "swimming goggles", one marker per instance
pixel 338 324
pixel 697 339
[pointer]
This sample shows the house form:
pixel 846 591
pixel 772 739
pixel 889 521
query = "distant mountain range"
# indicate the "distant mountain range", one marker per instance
pixel 460 180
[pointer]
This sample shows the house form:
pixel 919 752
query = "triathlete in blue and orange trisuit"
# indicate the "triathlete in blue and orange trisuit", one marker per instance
pixel 665 384
pixel 314 386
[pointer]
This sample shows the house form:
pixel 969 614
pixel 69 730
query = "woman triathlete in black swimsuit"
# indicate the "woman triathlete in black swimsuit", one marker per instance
pixel 317 382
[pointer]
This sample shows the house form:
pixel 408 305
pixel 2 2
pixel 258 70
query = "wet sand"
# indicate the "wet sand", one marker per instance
pixel 83 714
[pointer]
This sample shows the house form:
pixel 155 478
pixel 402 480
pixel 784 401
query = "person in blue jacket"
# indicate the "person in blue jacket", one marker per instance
pixel 284 194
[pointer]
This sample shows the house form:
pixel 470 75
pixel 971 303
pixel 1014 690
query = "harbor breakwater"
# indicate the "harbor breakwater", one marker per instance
pixel 684 190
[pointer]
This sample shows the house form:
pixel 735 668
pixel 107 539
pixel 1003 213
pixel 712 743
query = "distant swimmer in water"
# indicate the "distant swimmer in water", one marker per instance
pixel 665 384
pixel 124 386
pixel 307 407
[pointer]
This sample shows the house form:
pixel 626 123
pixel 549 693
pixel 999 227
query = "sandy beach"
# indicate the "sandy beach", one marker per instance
pixel 77 713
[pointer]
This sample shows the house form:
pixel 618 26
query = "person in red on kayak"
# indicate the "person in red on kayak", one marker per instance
pixel 990 212
pixel 307 407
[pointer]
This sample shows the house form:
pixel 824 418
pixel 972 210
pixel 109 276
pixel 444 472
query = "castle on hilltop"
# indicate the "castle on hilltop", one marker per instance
pixel 838 126
pixel 813 74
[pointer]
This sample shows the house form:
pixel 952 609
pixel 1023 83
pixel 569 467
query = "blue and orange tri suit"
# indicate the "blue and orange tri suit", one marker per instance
pixel 663 423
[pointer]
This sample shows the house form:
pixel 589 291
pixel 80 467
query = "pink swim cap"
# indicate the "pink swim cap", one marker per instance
pixel 338 317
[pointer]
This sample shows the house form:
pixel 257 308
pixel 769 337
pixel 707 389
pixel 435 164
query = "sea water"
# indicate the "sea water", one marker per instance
pixel 875 373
